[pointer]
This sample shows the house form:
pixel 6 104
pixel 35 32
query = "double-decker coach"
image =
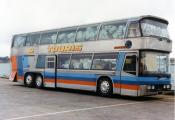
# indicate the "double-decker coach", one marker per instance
pixel 126 57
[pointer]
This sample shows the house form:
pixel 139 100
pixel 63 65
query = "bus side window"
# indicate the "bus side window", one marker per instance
pixel 130 64
pixel 81 61
pixel 88 33
pixel 104 61
pixel 19 41
pixel 134 30
pixel 40 61
pixel 48 38
pixel 32 39
pixel 63 61
pixel 112 31
pixel 66 36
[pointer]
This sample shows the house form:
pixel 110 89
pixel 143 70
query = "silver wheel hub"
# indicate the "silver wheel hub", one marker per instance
pixel 104 87
pixel 29 79
pixel 38 81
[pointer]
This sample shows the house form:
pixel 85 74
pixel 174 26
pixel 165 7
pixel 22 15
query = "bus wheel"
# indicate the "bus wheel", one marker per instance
pixel 104 87
pixel 29 80
pixel 39 81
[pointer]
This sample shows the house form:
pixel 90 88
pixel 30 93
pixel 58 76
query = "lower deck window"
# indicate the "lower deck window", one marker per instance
pixel 104 61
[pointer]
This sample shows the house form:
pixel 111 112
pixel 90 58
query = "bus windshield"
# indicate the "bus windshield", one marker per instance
pixel 154 28
pixel 153 63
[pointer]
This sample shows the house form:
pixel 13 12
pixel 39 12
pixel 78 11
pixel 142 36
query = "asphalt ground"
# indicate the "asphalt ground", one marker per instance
pixel 18 102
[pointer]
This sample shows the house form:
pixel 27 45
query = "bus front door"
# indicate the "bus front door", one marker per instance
pixel 129 73
pixel 50 71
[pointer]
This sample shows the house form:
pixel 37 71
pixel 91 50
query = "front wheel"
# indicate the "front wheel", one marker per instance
pixel 104 87
pixel 29 80
pixel 39 81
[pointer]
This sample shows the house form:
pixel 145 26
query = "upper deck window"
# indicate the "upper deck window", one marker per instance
pixel 32 39
pixel 48 38
pixel 19 41
pixel 112 31
pixel 87 33
pixel 154 28
pixel 66 36
pixel 134 30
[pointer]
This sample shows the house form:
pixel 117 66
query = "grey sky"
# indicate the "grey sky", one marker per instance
pixel 21 16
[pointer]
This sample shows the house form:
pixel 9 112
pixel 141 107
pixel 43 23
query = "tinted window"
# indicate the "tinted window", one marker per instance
pixel 50 62
pixel 86 33
pixel 112 31
pixel 48 38
pixel 66 36
pixel 130 65
pixel 63 61
pixel 40 61
pixel 33 39
pixel 104 61
pixel 81 61
pixel 19 41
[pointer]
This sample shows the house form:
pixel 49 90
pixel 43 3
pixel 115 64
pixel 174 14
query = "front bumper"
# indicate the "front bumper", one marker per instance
pixel 146 90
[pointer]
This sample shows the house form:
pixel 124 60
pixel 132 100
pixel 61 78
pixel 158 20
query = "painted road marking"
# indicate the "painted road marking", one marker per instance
pixel 74 110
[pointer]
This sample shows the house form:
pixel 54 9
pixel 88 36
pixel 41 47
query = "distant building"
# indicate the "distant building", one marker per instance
pixel 4 59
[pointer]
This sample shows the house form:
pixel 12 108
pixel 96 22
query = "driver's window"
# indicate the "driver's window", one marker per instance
pixel 130 64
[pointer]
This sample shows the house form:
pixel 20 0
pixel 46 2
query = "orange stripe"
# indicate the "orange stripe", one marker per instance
pixel 77 82
pixel 71 82
pixel 125 86
pixel 49 80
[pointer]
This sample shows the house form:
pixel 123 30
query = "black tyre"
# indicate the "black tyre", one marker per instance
pixel 29 80
pixel 39 81
pixel 104 87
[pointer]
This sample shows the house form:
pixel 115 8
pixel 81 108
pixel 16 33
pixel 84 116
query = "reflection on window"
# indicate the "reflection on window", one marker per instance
pixel 130 65
pixel 51 62
pixel 81 61
pixel 32 39
pixel 63 61
pixel 150 27
pixel 86 34
pixel 66 36
pixel 48 38
pixel 112 31
pixel 19 41
pixel 104 61
pixel 134 30
pixel 40 61
pixel 154 62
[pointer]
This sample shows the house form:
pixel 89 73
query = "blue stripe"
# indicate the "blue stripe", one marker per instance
pixel 83 77
pixel 116 79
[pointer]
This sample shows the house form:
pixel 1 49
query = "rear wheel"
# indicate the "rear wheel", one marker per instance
pixel 39 81
pixel 29 80
pixel 104 87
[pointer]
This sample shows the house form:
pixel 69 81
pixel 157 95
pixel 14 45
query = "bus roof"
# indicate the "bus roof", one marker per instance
pixel 118 20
